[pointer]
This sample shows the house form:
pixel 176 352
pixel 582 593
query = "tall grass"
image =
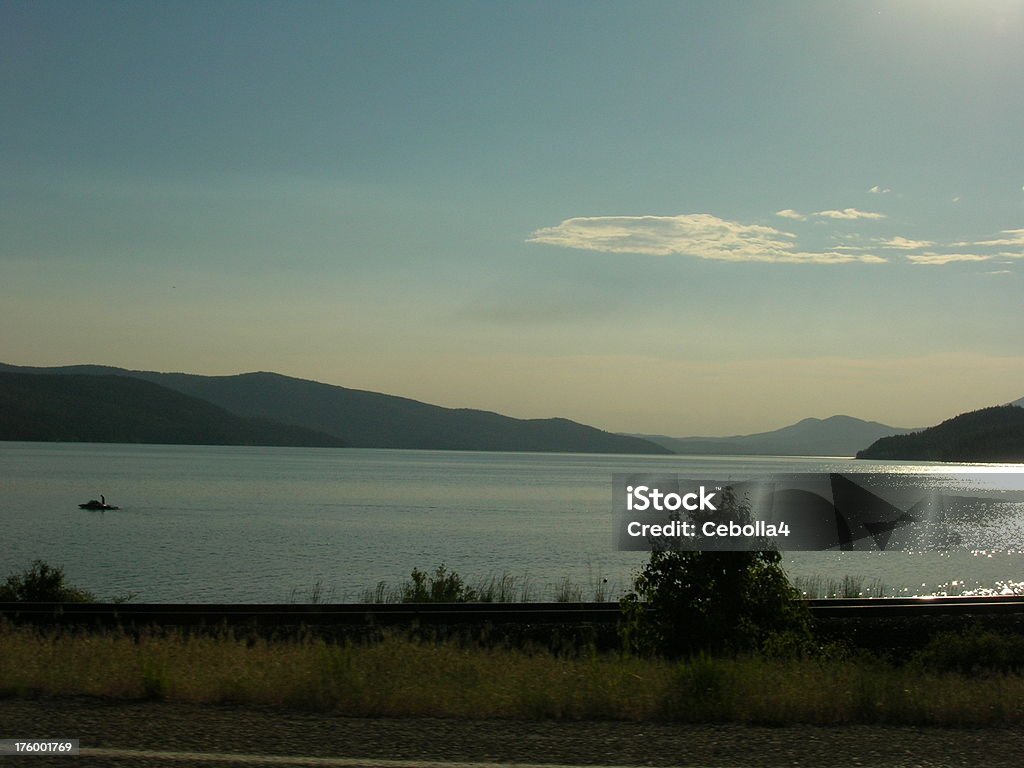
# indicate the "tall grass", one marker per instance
pixel 318 594
pixel 492 588
pixel 399 677
pixel 822 587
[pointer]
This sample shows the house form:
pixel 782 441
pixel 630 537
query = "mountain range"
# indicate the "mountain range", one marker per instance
pixel 351 417
pixel 119 409
pixel 106 404
pixel 834 436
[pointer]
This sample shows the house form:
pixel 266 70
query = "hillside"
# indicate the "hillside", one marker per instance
pixel 117 409
pixel 991 434
pixel 834 436
pixel 373 420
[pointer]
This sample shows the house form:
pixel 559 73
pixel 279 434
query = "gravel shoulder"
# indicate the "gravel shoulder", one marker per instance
pixel 245 730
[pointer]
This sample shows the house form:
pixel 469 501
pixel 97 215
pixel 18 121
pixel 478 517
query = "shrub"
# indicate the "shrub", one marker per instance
pixel 442 587
pixel 42 583
pixel 689 602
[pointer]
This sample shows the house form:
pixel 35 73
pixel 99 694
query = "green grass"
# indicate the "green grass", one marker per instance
pixel 399 677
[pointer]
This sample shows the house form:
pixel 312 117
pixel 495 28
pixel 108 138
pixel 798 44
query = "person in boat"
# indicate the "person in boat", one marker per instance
pixel 101 504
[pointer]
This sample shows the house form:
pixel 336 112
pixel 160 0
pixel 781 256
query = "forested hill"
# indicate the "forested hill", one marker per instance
pixel 991 434
pixel 834 436
pixel 119 409
pixel 374 420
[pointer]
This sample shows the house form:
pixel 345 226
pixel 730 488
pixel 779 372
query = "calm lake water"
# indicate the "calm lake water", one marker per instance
pixel 238 524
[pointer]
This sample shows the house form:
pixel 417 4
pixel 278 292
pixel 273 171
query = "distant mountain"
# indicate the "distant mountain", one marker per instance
pixel 373 420
pixel 834 436
pixel 991 434
pixel 118 409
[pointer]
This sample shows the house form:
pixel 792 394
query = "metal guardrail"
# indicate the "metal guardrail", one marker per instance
pixel 916 605
pixel 913 606
pixel 342 614
pixel 321 615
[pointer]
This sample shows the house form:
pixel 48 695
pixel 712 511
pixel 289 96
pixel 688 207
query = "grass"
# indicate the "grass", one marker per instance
pixel 398 677
pixel 493 588
pixel 821 587
pixel 318 594
pixel 505 588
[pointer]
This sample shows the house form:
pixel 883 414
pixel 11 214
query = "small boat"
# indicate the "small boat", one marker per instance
pixel 101 504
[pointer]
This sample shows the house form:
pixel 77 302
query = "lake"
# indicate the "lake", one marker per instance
pixel 250 524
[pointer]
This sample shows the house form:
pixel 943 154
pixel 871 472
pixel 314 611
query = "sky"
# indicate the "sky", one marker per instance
pixel 684 218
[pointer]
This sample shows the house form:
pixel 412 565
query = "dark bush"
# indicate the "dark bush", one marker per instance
pixel 689 602
pixel 442 587
pixel 42 583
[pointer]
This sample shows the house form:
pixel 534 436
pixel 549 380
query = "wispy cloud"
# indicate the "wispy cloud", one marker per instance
pixel 877 190
pixel 905 244
pixel 705 236
pixel 849 214
pixel 897 243
pixel 789 213
pixel 938 259
pixel 700 235
pixel 846 214
pixel 1014 237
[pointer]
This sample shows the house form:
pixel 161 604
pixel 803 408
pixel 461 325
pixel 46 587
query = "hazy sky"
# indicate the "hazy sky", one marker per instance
pixel 682 217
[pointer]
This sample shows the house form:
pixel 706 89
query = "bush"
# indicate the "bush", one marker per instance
pixel 689 602
pixel 42 583
pixel 442 587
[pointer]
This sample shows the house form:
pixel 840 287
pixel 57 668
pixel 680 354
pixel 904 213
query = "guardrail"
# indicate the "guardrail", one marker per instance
pixel 342 614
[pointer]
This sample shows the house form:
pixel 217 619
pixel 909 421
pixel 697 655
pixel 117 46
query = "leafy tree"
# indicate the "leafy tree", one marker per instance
pixel 689 602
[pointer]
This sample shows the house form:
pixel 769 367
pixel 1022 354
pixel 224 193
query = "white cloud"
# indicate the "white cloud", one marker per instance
pixel 904 244
pixel 1016 237
pixel 849 214
pixel 937 259
pixel 705 236
pixel 789 213
pixel 699 235
pixel 885 243
pixel 877 190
